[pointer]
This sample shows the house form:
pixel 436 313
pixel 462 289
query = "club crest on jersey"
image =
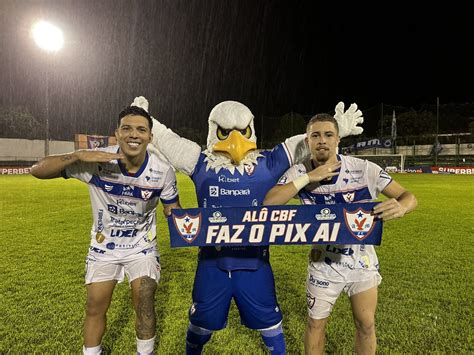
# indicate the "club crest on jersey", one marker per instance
pixel 348 196
pixel 146 194
pixel 188 226
pixel 360 223
pixel 249 168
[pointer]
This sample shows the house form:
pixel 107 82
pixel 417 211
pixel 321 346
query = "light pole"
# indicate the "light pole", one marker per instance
pixel 49 38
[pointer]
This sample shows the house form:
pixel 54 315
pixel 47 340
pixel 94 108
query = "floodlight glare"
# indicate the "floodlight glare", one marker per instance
pixel 47 36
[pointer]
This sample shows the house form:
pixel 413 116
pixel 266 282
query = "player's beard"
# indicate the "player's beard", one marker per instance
pixel 321 156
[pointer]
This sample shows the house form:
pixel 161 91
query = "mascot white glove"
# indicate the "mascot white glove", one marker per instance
pixel 348 120
pixel 141 102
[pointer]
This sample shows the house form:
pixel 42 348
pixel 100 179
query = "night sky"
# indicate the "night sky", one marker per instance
pixel 187 56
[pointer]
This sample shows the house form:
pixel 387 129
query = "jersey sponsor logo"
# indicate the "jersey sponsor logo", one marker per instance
pixel 155 172
pixel 96 250
pixel 116 210
pixel 318 283
pixel 325 215
pixel 336 250
pixel 124 202
pixel 100 223
pixel 127 190
pixel 108 188
pixel 188 226
pixel 217 217
pixel 348 196
pixel 112 209
pixel 123 233
pixel 226 192
pixel 123 223
pixel 214 191
pixel 110 246
pixel 359 222
pixel 223 178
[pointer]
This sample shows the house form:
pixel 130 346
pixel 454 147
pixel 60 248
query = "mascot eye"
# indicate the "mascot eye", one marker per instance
pixel 247 132
pixel 222 133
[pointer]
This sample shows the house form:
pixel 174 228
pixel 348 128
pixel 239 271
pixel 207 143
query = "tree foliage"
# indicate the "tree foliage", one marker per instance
pixel 18 122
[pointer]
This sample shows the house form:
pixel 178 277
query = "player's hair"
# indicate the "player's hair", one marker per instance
pixel 137 111
pixel 323 117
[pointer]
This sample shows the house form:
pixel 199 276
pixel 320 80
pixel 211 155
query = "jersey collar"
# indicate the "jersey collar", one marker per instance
pixel 139 171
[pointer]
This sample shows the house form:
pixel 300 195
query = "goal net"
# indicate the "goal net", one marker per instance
pixel 391 163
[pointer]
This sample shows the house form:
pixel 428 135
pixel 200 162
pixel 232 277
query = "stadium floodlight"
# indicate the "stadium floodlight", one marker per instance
pixel 47 36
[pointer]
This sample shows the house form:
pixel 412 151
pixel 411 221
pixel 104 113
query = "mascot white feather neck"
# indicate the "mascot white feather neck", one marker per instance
pixel 231 139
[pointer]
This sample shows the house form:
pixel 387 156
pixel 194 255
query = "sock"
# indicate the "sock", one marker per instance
pixel 145 346
pixel 96 350
pixel 274 339
pixel 196 338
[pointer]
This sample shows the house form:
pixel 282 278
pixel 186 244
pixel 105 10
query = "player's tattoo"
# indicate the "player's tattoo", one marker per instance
pixel 66 157
pixel 146 322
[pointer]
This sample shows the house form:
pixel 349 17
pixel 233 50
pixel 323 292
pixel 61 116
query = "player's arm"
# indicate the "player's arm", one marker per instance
pixel 51 166
pixel 167 207
pixel 400 202
pixel 281 194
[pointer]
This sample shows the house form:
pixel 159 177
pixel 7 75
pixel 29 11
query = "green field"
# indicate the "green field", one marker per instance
pixel 426 298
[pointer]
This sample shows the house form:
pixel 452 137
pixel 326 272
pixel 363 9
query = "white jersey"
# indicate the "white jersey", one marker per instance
pixel 358 181
pixel 124 205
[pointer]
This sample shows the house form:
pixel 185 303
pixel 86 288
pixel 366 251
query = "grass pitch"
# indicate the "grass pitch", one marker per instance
pixel 425 299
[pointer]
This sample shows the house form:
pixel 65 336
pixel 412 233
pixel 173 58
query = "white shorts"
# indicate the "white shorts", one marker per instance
pixel 321 293
pixel 139 266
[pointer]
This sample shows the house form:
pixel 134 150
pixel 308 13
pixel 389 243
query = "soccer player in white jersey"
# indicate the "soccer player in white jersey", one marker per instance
pixel 125 185
pixel 330 178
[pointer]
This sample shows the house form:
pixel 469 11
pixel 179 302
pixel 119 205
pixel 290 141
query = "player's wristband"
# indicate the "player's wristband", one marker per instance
pixel 301 182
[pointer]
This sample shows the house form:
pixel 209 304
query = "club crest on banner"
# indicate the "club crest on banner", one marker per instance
pixel 359 222
pixel 188 226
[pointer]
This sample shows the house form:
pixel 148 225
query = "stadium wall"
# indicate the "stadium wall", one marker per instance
pixel 25 150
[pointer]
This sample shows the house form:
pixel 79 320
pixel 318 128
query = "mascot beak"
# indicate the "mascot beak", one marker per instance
pixel 236 145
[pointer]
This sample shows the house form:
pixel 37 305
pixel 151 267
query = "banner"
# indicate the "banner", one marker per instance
pixel 94 142
pixel 371 143
pixel 351 223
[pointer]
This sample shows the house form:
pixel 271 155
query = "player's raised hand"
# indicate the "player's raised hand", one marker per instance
pixel 348 120
pixel 326 171
pixel 389 209
pixel 97 156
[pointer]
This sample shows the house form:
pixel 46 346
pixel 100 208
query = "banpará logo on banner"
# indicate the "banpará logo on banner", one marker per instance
pixel 188 226
pixel 325 215
pixel 217 217
pixel 359 222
